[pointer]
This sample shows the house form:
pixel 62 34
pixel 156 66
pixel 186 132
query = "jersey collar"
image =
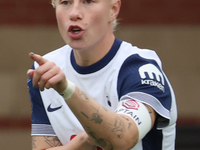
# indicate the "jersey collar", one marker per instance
pixel 98 65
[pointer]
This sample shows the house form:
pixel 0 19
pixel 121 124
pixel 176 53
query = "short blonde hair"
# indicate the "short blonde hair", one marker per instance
pixel 114 23
pixel 53 3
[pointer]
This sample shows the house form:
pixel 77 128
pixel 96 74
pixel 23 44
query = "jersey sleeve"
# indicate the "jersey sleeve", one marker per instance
pixel 143 80
pixel 40 122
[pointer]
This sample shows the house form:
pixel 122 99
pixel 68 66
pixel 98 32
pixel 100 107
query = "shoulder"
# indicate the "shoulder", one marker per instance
pixel 139 71
pixel 137 61
pixel 135 53
pixel 141 77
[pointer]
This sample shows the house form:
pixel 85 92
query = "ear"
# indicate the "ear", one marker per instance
pixel 116 5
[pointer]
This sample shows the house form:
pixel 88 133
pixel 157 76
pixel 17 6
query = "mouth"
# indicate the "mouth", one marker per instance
pixel 75 29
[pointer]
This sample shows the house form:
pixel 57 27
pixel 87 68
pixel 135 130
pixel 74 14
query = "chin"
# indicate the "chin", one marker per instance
pixel 77 45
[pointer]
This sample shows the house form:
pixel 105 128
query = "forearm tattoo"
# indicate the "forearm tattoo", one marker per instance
pixel 117 127
pixel 49 140
pixel 84 95
pixel 96 117
pixel 127 119
pixel 99 141
pixel 52 141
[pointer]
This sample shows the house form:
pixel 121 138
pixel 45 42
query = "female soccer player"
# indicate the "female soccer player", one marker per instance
pixel 98 92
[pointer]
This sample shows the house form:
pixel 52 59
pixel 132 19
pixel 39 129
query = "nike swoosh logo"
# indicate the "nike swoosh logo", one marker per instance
pixel 49 109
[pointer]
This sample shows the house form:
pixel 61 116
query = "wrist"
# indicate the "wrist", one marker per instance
pixel 69 91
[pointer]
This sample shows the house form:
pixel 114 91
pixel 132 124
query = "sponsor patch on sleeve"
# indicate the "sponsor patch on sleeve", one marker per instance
pixel 131 104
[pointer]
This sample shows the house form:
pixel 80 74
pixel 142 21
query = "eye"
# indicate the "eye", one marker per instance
pixel 88 1
pixel 65 2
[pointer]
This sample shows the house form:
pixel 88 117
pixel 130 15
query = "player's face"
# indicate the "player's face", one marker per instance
pixel 83 23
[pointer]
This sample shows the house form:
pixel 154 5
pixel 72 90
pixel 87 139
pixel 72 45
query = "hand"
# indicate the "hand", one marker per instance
pixel 47 75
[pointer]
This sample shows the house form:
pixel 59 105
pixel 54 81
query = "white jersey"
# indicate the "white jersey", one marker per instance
pixel 126 71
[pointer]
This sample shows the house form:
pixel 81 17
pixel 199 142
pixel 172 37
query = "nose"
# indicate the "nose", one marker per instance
pixel 75 13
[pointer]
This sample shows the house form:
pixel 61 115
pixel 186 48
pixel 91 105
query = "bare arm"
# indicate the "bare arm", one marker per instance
pixel 53 143
pixel 105 128
pixel 77 143
pixel 44 142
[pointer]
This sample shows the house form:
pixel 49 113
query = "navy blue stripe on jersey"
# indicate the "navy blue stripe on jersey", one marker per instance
pixel 100 64
pixel 140 75
pixel 39 115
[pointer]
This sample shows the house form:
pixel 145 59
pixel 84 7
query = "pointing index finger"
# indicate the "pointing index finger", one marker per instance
pixel 39 59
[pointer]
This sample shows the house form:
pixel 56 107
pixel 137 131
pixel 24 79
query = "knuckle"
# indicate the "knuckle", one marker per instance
pixel 52 63
pixel 44 78
pixel 57 69
pixel 62 74
pixel 38 71
pixel 50 83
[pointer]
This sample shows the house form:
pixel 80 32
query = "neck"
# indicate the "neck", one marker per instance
pixel 95 52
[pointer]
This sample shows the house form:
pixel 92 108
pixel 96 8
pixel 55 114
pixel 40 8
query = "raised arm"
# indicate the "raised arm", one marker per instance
pixel 106 128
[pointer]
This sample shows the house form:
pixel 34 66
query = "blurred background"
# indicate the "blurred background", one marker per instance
pixel 170 27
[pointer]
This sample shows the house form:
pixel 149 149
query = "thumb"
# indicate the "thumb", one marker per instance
pixel 39 59
pixel 30 73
